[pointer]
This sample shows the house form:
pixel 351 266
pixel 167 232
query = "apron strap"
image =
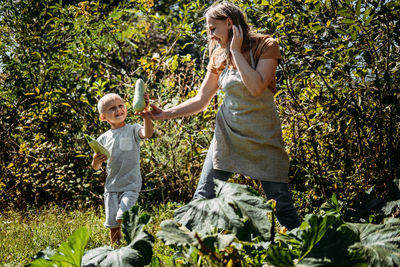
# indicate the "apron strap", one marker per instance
pixel 253 65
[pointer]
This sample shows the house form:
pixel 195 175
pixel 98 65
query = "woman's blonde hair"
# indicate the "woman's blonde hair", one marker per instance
pixel 227 10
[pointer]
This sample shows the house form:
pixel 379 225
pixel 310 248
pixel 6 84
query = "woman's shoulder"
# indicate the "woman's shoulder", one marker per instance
pixel 265 46
pixel 264 40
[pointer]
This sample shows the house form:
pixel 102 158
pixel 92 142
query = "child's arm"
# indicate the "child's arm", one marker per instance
pixel 147 130
pixel 98 159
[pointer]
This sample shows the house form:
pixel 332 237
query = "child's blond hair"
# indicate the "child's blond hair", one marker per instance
pixel 105 99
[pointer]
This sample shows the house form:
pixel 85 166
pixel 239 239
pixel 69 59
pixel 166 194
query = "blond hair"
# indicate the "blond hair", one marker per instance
pixel 105 99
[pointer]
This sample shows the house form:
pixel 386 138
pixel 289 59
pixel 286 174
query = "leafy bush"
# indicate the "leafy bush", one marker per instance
pixel 338 97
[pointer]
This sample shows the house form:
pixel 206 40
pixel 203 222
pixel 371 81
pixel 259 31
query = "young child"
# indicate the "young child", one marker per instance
pixel 124 180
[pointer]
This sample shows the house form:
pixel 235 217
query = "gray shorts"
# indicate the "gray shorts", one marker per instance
pixel 116 203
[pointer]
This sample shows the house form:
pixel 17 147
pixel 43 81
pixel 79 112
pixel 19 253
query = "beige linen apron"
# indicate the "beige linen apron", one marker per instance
pixel 248 135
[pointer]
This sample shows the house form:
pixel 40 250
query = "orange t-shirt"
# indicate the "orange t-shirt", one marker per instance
pixel 263 47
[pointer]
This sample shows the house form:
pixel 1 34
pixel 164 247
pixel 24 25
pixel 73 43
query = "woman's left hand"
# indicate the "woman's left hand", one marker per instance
pixel 237 38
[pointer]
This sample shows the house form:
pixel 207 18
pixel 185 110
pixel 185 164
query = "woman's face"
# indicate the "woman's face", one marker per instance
pixel 219 30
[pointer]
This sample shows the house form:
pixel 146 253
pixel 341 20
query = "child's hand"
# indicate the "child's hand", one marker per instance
pixel 147 101
pixel 99 158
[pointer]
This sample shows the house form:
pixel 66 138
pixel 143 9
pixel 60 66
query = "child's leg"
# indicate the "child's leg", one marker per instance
pixel 115 234
pixel 125 201
pixel 111 208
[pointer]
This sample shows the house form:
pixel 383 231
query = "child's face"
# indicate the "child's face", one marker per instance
pixel 219 30
pixel 114 112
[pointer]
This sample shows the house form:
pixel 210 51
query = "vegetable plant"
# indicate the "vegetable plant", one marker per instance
pixel 138 252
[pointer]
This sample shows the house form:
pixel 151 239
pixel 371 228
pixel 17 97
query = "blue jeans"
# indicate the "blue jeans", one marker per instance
pixel 285 211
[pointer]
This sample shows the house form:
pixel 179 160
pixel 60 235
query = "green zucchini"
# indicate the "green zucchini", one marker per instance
pixel 138 99
pixel 96 146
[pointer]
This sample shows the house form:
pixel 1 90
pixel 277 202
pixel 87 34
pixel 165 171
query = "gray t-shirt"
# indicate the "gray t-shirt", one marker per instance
pixel 123 167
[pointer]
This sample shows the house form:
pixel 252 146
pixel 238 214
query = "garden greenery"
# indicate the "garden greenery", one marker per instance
pixel 321 240
pixel 338 94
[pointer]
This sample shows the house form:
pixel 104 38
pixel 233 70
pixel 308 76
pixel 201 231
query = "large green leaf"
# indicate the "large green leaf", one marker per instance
pixel 41 263
pixel 139 250
pixel 320 241
pixel 314 229
pixel 133 223
pixel 279 256
pixel 332 249
pixel 236 208
pixel 108 257
pixel 69 252
pixel 248 204
pixel 171 234
pixel 72 250
pixel 378 243
pixel 203 215
pixel 392 206
pixel 45 254
pixel 95 256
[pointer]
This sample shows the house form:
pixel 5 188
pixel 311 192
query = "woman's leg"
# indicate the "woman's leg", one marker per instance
pixel 205 187
pixel 285 211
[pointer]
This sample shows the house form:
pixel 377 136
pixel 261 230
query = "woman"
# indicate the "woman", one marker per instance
pixel 248 136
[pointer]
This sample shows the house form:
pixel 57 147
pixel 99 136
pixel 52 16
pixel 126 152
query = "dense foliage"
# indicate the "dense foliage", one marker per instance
pixel 338 99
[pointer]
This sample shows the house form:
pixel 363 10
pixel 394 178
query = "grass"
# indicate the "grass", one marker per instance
pixel 24 234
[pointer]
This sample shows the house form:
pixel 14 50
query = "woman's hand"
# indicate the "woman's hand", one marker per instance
pixel 155 113
pixel 147 102
pixel 237 39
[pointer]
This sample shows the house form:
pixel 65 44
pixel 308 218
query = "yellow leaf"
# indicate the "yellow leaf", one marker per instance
pixel 283 230
pixel 65 104
pixel 279 16
pixel 10 165
pixel 37 90
pixel 22 147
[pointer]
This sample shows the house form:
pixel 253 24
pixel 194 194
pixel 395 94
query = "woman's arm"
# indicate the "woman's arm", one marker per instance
pixel 194 105
pixel 256 80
